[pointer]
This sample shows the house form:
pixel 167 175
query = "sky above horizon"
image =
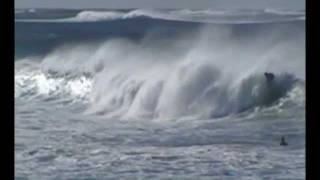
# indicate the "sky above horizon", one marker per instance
pixel 120 4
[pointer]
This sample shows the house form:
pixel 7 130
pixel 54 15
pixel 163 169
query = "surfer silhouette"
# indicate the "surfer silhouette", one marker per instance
pixel 283 142
pixel 269 76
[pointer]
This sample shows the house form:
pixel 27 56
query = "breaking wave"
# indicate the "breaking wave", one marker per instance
pixel 199 90
pixel 211 75
pixel 32 83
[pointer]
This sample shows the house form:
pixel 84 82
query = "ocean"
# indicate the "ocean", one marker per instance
pixel 159 94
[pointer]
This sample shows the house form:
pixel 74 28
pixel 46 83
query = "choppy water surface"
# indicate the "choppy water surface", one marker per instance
pixel 159 94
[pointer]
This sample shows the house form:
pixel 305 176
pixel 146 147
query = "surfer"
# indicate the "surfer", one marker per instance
pixel 269 76
pixel 283 142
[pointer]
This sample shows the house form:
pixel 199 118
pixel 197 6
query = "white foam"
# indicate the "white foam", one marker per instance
pixel 213 75
pixel 30 84
pixel 97 16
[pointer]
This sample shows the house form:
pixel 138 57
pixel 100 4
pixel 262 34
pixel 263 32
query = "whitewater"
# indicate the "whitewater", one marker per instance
pixel 159 94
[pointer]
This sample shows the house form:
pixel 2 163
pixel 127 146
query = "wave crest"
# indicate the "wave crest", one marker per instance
pixel 97 15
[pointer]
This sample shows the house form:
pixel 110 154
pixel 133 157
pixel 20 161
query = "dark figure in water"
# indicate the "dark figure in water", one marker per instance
pixel 269 76
pixel 283 142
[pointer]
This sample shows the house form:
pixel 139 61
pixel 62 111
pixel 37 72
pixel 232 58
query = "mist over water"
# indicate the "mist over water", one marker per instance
pixel 146 98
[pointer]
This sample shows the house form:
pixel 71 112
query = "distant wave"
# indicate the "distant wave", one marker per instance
pixel 204 16
pixel 97 16
pixel 287 12
pixel 19 11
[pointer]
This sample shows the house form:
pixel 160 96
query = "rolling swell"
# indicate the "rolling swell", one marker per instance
pixel 45 40
pixel 203 16
pixel 191 75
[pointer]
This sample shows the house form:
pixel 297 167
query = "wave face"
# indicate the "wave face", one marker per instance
pixel 116 94
pixel 171 78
